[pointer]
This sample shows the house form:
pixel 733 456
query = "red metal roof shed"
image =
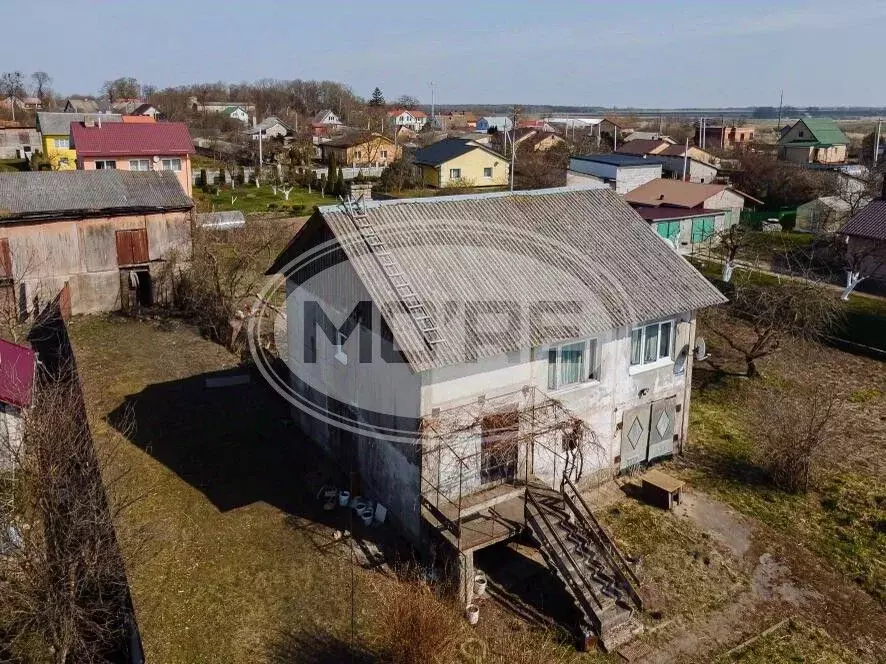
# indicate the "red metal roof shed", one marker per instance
pixel 17 369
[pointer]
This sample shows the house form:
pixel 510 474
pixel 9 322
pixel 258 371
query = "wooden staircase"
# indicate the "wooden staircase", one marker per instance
pixel 586 561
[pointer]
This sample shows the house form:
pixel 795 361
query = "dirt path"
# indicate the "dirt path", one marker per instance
pixel 786 580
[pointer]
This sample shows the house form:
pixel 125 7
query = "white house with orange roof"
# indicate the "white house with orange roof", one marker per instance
pixel 411 119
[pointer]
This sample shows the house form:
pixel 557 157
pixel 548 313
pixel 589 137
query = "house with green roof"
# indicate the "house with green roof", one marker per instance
pixel 236 113
pixel 813 141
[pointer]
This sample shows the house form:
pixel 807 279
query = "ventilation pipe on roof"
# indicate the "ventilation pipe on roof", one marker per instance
pixel 99 121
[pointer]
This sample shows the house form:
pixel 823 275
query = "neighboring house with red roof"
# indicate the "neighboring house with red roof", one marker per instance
pixel 17 369
pixel 156 146
pixel 411 119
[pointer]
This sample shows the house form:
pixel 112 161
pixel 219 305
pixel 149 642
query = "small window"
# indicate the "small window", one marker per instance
pixel 802 134
pixel 487 172
pixel 105 164
pixel 652 343
pixel 139 164
pixel 384 154
pixel 173 164
pixel 62 143
pixel 571 364
pixel 454 173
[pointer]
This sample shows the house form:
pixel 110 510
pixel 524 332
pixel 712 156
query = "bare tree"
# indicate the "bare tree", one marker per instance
pixel 126 87
pixel 801 309
pixel 63 584
pixel 861 258
pixel 42 81
pixel 791 427
pixel 12 87
pixel 219 289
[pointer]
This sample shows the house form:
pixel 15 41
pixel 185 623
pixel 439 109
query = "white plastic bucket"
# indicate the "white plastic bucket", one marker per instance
pixel 472 613
pixel 344 497
pixel 358 504
pixel 480 585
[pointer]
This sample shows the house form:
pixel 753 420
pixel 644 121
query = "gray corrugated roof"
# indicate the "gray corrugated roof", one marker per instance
pixel 560 245
pixel 622 160
pixel 59 124
pixel 869 222
pixel 48 194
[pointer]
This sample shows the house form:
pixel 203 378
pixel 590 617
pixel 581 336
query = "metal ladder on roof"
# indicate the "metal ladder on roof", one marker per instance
pixel 409 298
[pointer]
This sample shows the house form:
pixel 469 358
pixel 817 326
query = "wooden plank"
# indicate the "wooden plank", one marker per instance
pixel 5 259
pixel 662 481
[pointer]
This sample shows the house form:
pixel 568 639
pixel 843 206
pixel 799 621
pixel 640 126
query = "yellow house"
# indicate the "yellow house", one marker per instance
pixel 55 130
pixel 361 150
pixel 461 162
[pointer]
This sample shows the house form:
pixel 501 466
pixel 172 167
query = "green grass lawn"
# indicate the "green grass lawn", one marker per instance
pixel 864 320
pixel 792 642
pixel 251 200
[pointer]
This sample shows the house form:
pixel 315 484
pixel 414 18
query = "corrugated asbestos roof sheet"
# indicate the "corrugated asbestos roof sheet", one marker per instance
pixel 548 246
pixel 59 124
pixel 870 222
pixel 48 194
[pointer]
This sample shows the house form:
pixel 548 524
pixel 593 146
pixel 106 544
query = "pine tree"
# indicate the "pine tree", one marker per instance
pixel 340 183
pixel 377 98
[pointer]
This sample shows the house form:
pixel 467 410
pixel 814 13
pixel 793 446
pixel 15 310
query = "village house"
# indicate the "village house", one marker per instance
pixel 455 120
pixel 325 122
pixel 865 233
pixel 146 110
pixel 494 123
pixel 538 139
pixel 700 166
pixel 19 142
pixel 579 367
pixel 647 136
pixel 360 150
pixel 86 105
pixel 461 162
pixel 23 103
pixel 724 137
pixel 55 129
pixel 813 141
pixel 644 146
pixel 219 106
pixel 270 127
pixel 622 172
pixel 18 365
pixel 106 238
pixel 825 214
pixel 236 113
pixel 155 146
pixel 687 214
pixel 411 119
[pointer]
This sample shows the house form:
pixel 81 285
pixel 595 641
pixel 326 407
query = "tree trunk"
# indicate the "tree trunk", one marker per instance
pixel 728 268
pixel 753 372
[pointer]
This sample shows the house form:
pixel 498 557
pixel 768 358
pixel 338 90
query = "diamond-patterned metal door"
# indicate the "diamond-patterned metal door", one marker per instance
pixel 661 430
pixel 634 436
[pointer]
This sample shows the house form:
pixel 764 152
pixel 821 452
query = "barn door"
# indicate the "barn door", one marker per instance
pixel 132 246
pixel 661 428
pixel 634 436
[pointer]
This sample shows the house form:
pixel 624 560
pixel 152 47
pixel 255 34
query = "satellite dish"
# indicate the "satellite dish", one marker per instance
pixel 701 349
pixel 680 362
pixel 156 159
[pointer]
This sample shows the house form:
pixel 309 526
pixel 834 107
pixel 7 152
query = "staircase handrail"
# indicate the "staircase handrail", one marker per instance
pixel 612 552
pixel 567 577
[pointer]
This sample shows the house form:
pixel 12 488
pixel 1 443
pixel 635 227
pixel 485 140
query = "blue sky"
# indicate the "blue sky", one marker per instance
pixel 669 53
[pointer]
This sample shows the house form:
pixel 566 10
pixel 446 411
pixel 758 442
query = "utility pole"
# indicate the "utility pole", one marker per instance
pixel 780 103
pixel 877 142
pixel 685 159
pixel 433 116
pixel 258 170
pixel 513 147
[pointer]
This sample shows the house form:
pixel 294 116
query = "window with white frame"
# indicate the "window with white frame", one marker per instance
pixel 454 173
pixel 139 164
pixel 652 343
pixel 105 163
pixel 572 363
pixel 171 164
pixel 487 172
pixel 62 143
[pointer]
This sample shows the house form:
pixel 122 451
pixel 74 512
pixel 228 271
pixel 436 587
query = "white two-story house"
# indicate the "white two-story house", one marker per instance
pixel 411 119
pixel 453 351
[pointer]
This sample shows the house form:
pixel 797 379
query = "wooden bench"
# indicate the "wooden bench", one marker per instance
pixel 661 489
